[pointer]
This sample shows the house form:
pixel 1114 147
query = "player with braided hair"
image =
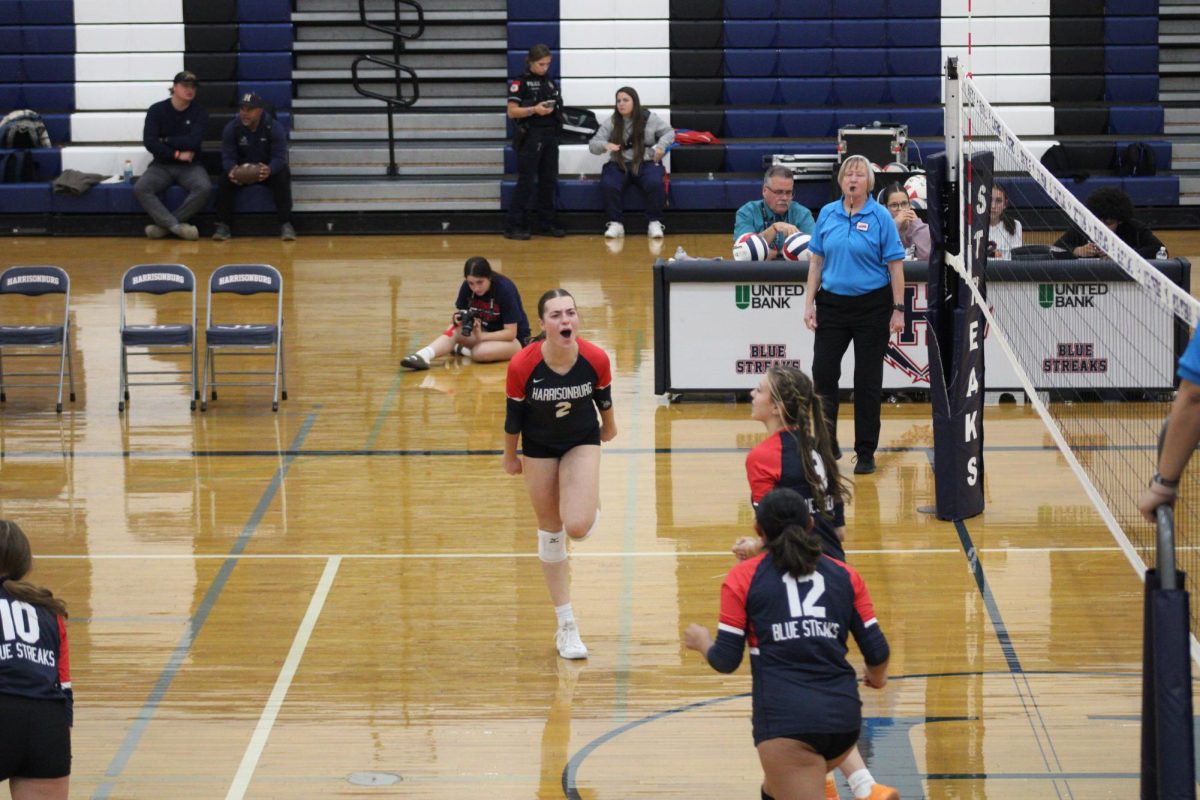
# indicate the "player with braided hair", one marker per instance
pixel 797 454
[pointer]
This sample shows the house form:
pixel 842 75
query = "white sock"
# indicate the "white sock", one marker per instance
pixel 861 783
pixel 426 353
pixel 466 351
pixel 564 614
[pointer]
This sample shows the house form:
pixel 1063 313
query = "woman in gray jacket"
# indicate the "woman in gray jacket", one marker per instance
pixel 636 140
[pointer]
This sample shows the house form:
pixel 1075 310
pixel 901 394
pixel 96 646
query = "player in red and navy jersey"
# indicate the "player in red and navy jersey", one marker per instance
pixel 796 607
pixel 36 703
pixel 798 454
pixel 555 386
pixel 499 326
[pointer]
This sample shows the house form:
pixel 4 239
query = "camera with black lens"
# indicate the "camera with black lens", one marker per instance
pixel 466 320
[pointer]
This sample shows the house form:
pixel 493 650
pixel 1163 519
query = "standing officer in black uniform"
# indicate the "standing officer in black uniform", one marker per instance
pixel 533 105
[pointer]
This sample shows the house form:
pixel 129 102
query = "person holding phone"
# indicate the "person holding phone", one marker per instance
pixel 533 106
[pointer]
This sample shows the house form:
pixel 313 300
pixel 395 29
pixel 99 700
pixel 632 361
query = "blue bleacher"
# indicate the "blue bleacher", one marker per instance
pixel 1131 120
pixel 40 96
pixel 37 12
pixel 264 10
pixel 264 66
pixel 1131 31
pixel 520 10
pixel 1131 8
pixel 276 36
pixel 25 198
pixel 1157 190
pixel 1131 59
pixel 524 35
pixel 37 39
pixel 47 161
pixel 37 68
pixel 1131 88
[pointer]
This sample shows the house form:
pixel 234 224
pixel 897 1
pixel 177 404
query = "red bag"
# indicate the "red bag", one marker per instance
pixel 685 136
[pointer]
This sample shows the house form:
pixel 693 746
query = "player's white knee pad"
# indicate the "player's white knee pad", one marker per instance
pixel 552 546
pixel 591 530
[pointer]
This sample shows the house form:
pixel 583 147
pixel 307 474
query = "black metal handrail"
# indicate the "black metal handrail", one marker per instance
pixel 395 32
pixel 398 100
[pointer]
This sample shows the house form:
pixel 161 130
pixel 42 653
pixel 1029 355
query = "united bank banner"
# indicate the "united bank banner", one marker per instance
pixel 724 336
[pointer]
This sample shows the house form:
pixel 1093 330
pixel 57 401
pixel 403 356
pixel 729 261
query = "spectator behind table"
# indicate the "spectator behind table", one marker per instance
pixel 775 217
pixel 1005 233
pixel 914 234
pixel 1115 209
pixel 534 106
pixel 254 136
pixel 855 293
pixel 173 133
pixel 624 137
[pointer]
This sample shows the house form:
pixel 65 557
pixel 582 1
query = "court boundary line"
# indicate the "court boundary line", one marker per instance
pixel 266 722
pixel 571 769
pixel 151 455
pixel 195 624
pixel 1037 722
pixel 499 555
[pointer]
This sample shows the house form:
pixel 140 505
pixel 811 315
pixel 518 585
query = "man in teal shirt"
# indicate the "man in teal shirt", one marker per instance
pixel 776 216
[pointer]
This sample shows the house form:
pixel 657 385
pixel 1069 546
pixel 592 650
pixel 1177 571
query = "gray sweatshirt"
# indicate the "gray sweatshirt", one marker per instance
pixel 658 134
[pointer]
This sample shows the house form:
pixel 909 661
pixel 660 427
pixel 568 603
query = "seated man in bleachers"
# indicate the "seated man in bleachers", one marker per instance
pixel 254 137
pixel 173 134
pixel 776 216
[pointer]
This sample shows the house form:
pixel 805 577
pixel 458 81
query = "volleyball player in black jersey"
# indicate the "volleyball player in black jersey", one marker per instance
pixel 555 386
pixel 796 607
pixel 36 702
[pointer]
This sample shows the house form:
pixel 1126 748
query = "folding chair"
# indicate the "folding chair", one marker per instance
pixel 242 339
pixel 177 338
pixel 34 282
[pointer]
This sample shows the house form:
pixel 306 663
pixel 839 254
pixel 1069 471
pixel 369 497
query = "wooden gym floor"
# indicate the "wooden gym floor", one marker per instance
pixel 343 599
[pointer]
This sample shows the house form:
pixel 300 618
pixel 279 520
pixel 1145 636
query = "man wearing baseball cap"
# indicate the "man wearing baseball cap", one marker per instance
pixel 173 134
pixel 254 150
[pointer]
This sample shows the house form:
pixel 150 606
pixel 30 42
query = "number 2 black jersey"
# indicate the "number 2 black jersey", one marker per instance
pixel 553 409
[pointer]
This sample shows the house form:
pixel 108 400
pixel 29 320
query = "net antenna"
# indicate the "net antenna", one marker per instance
pixel 1088 328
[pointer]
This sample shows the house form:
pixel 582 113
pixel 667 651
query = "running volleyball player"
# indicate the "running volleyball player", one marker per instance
pixel 798 454
pixel 555 385
pixel 796 607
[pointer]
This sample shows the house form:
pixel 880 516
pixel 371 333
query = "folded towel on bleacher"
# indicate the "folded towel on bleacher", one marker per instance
pixel 74 182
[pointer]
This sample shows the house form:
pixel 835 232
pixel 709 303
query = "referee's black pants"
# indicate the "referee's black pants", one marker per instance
pixel 862 319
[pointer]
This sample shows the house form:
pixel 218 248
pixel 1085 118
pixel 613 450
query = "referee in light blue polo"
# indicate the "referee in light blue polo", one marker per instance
pixel 855 294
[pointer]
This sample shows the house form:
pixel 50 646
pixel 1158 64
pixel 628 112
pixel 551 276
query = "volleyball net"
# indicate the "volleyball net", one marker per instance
pixel 1087 331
